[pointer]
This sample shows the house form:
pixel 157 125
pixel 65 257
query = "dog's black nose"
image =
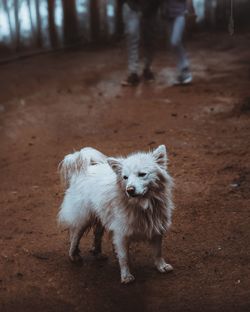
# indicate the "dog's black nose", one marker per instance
pixel 131 191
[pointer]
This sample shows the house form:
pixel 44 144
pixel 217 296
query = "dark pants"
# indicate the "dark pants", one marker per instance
pixel 139 28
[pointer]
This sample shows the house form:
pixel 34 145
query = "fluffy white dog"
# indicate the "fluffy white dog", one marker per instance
pixel 130 197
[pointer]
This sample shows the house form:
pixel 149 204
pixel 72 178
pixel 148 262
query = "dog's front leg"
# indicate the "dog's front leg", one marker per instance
pixel 121 244
pixel 159 261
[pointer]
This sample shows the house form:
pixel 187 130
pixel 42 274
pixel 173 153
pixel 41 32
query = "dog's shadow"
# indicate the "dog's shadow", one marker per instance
pixel 98 283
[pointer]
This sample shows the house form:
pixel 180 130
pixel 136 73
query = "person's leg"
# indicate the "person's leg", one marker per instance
pixel 177 27
pixel 131 20
pixel 148 33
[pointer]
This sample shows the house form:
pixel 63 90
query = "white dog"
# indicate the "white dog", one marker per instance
pixel 130 197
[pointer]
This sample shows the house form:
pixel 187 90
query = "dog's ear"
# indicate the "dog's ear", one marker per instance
pixel 115 164
pixel 160 156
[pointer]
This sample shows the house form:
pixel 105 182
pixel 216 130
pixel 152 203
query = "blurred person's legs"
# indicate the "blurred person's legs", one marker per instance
pixel 148 34
pixel 176 28
pixel 137 24
pixel 132 22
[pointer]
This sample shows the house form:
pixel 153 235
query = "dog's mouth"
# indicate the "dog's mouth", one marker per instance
pixel 133 195
pixel 136 195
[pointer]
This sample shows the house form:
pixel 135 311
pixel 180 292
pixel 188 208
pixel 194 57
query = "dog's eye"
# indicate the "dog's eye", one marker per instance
pixel 125 177
pixel 141 174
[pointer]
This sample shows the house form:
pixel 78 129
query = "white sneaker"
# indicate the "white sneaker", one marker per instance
pixel 184 78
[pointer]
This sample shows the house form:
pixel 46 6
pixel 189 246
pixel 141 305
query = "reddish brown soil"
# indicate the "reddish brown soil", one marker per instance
pixel 53 104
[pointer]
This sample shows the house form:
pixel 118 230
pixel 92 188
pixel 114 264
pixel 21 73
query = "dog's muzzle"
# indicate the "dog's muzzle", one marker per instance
pixel 131 191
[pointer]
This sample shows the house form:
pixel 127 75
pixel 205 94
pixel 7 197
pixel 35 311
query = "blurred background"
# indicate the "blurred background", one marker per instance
pixel 28 26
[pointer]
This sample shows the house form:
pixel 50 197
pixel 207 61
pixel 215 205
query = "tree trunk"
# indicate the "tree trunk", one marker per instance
pixel 31 21
pixel 118 19
pixel 17 25
pixel 210 10
pixel 52 27
pixel 94 20
pixel 6 8
pixel 104 20
pixel 70 25
pixel 39 40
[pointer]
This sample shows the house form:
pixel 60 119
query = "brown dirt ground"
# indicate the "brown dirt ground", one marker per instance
pixel 53 104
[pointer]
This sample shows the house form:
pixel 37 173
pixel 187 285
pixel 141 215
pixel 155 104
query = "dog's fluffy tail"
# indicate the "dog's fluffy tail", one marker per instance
pixel 78 162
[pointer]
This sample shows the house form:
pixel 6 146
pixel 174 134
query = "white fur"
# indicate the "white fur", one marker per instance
pixel 99 193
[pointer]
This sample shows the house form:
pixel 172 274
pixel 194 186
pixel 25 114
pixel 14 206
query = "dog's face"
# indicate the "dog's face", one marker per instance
pixel 138 172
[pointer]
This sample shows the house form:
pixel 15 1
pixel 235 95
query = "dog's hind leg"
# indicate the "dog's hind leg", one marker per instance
pixel 76 234
pixel 97 244
pixel 159 261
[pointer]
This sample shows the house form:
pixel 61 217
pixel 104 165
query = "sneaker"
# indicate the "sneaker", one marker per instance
pixel 184 78
pixel 132 80
pixel 148 75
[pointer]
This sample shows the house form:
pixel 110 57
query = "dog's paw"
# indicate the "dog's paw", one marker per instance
pixel 98 255
pixel 128 278
pixel 163 267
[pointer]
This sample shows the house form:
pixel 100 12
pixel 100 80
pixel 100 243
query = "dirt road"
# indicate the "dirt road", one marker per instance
pixel 53 104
